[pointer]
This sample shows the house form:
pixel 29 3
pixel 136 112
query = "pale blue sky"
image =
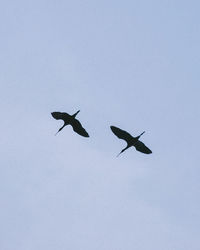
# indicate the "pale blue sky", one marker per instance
pixel 132 64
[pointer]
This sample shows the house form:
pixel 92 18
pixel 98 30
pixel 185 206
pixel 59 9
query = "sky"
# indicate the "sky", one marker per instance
pixel 131 64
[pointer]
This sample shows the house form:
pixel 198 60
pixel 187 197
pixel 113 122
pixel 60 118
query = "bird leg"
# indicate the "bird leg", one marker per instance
pixel 74 115
pixel 123 150
pixel 142 133
pixel 61 128
pixel 139 135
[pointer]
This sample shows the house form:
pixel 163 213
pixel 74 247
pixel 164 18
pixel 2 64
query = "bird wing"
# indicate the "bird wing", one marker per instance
pixel 140 146
pixel 60 116
pixel 77 127
pixel 121 134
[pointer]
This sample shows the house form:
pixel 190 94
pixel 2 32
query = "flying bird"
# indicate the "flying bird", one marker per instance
pixel 70 120
pixel 131 141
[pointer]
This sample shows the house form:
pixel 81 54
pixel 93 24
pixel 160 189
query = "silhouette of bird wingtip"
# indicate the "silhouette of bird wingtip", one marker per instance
pixel 86 135
pixel 54 114
pixel 112 127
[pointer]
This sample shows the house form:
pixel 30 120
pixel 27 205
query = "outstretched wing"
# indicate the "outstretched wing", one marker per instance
pixel 140 146
pixel 121 134
pixel 60 116
pixel 77 127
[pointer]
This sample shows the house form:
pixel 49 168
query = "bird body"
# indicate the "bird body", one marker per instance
pixel 131 141
pixel 70 120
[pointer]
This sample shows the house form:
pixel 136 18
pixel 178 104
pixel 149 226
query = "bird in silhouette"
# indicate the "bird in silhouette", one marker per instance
pixel 70 120
pixel 131 141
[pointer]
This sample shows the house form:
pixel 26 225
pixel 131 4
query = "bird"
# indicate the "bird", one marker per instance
pixel 70 120
pixel 131 141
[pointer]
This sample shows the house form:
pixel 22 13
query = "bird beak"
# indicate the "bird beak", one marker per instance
pixel 119 154
pixel 57 132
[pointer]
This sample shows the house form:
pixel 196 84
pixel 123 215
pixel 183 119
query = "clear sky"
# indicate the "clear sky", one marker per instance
pixel 132 64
